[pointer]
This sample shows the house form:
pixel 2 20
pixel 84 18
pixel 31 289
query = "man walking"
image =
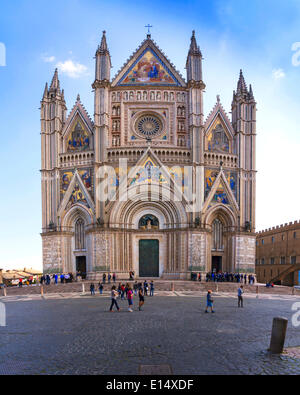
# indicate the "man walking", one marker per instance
pixel 240 296
pixel 152 288
pixel 114 295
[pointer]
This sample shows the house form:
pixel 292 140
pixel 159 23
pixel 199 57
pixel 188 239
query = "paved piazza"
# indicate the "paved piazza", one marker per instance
pixel 75 334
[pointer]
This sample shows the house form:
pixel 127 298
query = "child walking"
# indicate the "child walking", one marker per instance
pixel 210 302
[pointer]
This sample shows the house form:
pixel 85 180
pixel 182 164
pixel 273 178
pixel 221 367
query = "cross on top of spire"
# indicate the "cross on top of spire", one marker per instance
pixel 149 31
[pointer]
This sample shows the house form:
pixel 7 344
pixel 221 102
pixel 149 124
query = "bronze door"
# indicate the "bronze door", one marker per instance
pixel 149 258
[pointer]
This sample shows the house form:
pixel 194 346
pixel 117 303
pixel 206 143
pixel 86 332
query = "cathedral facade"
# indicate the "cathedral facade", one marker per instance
pixel 149 184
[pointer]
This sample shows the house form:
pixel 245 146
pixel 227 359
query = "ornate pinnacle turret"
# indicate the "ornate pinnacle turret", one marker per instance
pixel 45 95
pixel 103 48
pixel 103 61
pixel 55 81
pixel 251 96
pixel 242 87
pixel 194 61
pixel 194 48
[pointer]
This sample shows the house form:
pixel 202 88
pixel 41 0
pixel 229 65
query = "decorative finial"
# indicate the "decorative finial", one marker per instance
pixel 78 97
pixel 149 32
pixel 218 98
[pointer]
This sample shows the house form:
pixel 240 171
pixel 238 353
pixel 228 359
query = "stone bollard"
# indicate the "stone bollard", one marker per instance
pixel 293 293
pixel 4 291
pixel 278 335
pixel 42 290
pixel 172 287
pixel 83 288
pixel 257 291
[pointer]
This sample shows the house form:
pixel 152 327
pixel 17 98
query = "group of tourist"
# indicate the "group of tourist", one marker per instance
pixel 126 292
pixel 230 277
pixel 109 278
pixel 55 278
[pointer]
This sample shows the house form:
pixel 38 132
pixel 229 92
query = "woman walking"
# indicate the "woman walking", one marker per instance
pixel 114 295
pixel 130 300
pixel 141 298
pixel 210 302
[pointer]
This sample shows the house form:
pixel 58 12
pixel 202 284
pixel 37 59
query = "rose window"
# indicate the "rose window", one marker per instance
pixel 148 126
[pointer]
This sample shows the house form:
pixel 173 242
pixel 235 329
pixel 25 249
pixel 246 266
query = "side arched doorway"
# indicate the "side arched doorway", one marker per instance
pixel 221 224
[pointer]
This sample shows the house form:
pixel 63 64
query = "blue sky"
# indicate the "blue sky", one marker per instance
pixel 256 36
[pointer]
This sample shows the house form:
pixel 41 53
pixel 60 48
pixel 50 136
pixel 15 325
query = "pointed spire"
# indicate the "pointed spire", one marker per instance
pixel 103 47
pixel 194 61
pixel 55 84
pixel 242 87
pixel 251 96
pixel 78 97
pixel 194 49
pixel 103 60
pixel 45 95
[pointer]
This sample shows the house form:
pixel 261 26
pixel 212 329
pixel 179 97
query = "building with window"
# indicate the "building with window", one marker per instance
pixel 278 254
pixel 149 184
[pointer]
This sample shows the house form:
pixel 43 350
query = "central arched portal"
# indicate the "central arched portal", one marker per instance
pixel 149 248
pixel 149 258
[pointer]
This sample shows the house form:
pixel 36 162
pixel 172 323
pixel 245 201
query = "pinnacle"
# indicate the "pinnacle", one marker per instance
pixel 194 49
pixel 103 46
pixel 242 87
pixel 55 84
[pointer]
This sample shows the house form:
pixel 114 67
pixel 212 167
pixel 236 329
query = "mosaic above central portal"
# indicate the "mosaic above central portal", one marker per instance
pixel 149 69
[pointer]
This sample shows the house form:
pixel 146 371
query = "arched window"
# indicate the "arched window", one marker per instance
pixel 149 222
pixel 79 235
pixel 217 235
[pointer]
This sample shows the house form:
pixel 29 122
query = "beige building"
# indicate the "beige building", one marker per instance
pixel 149 184
pixel 278 254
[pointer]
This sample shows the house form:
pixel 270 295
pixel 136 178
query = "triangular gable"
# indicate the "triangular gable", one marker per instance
pixel 78 111
pixel 148 66
pixel 138 176
pixel 221 193
pixel 76 194
pixel 218 111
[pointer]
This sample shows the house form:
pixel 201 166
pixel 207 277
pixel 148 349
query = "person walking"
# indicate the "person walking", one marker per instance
pixel 130 300
pixel 104 278
pixel 100 288
pixel 209 302
pixel 114 295
pixel 92 289
pixel 146 288
pixel 240 296
pixel 152 288
pixel 114 278
pixel 141 298
pixel 135 288
pixel 122 291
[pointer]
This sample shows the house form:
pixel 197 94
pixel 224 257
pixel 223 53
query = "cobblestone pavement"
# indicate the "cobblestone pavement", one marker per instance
pixel 77 335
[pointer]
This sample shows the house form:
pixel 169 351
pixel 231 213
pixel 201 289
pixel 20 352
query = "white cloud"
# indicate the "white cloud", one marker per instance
pixel 278 74
pixel 48 59
pixel 72 69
